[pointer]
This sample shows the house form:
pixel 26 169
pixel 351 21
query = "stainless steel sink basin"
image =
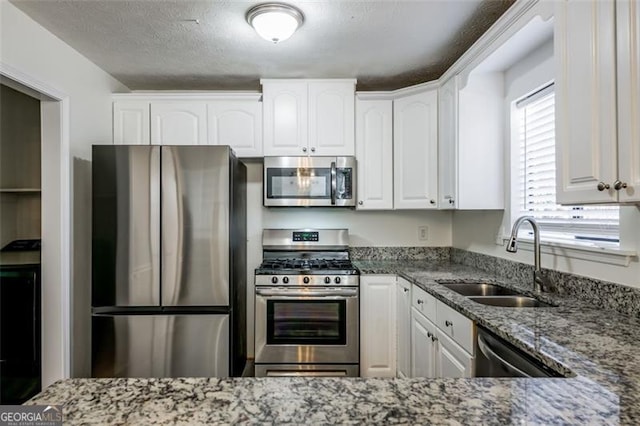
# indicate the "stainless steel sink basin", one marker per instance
pixel 478 289
pixel 511 301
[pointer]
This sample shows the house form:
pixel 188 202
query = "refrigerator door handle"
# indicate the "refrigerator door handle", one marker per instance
pixel 171 227
pixel 154 220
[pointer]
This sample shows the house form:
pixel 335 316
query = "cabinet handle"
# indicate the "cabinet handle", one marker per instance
pixel 451 201
pixel 448 323
pixel 602 186
pixel 618 185
pixel 420 301
pixel 434 338
pixel 313 149
pixel 360 202
pixel 304 149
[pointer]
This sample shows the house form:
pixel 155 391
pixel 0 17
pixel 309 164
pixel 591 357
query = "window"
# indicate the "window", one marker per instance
pixel 535 188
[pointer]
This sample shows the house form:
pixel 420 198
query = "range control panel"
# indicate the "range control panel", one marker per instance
pixel 304 236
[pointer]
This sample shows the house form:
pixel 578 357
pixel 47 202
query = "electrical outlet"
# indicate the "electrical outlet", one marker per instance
pixel 423 233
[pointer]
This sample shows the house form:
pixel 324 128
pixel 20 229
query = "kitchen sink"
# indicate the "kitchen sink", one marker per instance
pixel 511 301
pixel 478 289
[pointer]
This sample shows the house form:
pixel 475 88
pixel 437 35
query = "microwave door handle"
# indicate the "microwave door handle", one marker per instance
pixel 334 183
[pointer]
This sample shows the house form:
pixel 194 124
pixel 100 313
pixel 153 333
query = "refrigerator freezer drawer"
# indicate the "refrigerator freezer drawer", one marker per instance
pixel 160 345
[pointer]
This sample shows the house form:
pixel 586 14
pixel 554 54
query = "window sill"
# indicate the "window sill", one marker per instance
pixel 578 250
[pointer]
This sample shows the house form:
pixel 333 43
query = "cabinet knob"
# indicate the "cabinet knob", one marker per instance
pixel 618 185
pixel 420 301
pixel 602 186
pixel 313 149
pixel 451 201
pixel 432 201
pixel 360 202
pixel 434 338
pixel 429 334
pixel 448 323
pixel 406 290
pixel 304 149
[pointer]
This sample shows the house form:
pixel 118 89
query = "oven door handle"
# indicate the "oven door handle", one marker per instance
pixel 334 183
pixel 325 293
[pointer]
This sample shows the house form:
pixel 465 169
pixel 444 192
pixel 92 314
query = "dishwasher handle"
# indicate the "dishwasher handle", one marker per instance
pixel 491 355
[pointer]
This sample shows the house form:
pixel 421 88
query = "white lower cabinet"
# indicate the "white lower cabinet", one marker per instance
pixel 378 326
pixel 403 303
pixel 437 352
pixel 452 360
pixel 423 346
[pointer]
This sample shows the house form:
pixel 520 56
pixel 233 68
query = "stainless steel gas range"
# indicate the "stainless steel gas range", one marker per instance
pixel 307 305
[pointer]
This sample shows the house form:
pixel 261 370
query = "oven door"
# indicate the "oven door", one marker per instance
pixel 307 326
pixel 309 181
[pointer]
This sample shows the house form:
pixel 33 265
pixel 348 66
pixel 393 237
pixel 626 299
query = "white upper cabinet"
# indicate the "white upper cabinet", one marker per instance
pixel 285 118
pixel 332 118
pixel 378 326
pixel 131 123
pixel 471 143
pixel 179 123
pixel 628 50
pixel 597 94
pixel 233 119
pixel 374 152
pixel 309 117
pixel 447 142
pixel 237 124
pixel 415 151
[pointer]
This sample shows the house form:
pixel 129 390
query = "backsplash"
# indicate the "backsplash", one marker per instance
pixel 602 294
pixel 432 254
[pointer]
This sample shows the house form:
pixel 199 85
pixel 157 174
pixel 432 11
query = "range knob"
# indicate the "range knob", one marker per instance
pixel 305 280
pixel 327 280
pixel 274 280
pixel 285 280
pixel 337 280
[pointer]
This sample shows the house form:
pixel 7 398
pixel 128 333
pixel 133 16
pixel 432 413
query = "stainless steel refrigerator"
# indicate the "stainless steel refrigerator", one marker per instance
pixel 168 261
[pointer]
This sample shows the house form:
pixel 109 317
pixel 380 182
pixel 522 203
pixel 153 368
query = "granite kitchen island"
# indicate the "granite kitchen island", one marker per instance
pixel 596 349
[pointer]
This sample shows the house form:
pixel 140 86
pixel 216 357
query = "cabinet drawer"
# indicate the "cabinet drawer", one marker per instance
pixel 455 325
pixel 423 302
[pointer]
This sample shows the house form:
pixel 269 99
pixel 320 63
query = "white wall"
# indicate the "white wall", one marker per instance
pixel 34 52
pixel 477 231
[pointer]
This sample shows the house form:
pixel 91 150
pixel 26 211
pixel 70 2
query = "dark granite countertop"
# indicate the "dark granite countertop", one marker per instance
pixel 597 349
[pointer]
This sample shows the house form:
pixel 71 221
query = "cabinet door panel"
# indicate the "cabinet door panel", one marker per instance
pixel 237 124
pixel 453 361
pixel 131 123
pixel 447 141
pixel 285 118
pixel 179 123
pixel 585 100
pixel 374 151
pixel 423 348
pixel 628 44
pixel 416 151
pixel 331 118
pixel 378 326
pixel 403 310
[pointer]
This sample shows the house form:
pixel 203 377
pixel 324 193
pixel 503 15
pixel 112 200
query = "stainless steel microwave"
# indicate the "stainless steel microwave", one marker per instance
pixel 309 181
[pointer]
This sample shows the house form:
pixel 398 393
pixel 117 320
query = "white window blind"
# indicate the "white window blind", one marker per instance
pixel 536 188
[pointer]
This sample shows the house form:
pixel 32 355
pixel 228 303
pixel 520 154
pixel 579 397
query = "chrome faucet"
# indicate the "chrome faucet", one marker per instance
pixel 540 282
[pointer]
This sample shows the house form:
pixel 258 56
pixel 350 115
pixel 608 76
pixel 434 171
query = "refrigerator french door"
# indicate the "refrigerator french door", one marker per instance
pixel 169 261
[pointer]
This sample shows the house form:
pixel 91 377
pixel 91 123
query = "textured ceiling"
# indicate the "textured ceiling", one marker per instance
pixel 154 45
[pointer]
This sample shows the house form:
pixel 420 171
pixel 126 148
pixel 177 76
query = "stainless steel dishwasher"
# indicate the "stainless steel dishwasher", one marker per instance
pixel 497 358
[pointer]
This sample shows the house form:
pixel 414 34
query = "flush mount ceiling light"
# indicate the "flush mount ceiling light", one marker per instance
pixel 275 22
